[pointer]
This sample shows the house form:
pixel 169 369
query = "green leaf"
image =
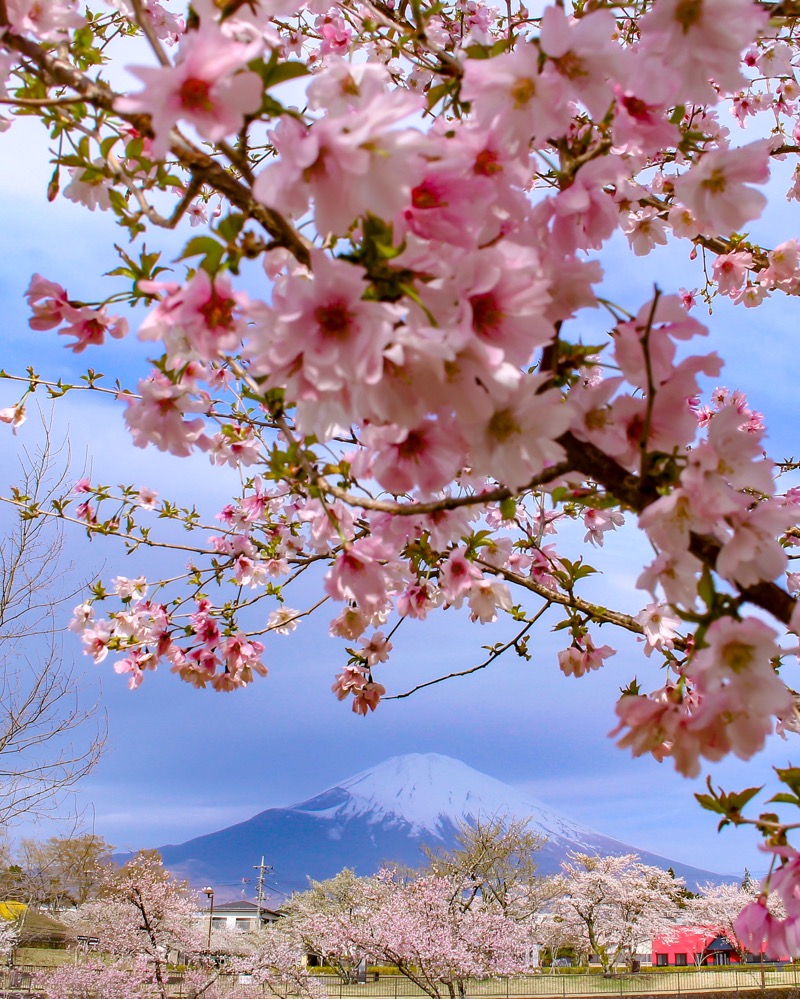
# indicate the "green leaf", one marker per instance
pixel 789 776
pixel 786 799
pixel 107 145
pixel 677 115
pixel 477 51
pixel 230 227
pixel 118 202
pixel 211 251
pixel 738 799
pixel 198 246
pixel 705 587
pixel 508 508
pixel 284 71
pixel 72 161
pixel 274 72
pixel 435 94
pixel 271 108
pixel 711 804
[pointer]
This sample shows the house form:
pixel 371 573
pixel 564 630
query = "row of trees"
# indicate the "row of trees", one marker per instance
pixel 478 910
pixel 144 924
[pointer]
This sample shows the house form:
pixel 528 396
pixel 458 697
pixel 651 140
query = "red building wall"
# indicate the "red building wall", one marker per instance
pixel 688 940
pixel 693 941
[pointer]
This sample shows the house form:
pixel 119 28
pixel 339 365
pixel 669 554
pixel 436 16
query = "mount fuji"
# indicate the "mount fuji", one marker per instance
pixel 381 815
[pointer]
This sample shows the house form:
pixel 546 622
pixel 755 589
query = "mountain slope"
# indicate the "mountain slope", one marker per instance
pixel 382 815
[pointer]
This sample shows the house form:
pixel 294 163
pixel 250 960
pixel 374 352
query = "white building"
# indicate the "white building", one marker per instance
pixel 241 916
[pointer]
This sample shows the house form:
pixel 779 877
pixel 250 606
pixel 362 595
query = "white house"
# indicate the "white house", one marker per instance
pixel 241 915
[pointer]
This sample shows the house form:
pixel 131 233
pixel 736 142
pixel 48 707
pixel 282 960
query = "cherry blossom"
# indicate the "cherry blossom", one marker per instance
pixel 207 87
pixel 716 191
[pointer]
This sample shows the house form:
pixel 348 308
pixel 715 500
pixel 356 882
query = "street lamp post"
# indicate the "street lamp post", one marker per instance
pixel 210 893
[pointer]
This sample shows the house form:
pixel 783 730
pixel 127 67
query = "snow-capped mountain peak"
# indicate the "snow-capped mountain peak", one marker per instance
pixel 430 793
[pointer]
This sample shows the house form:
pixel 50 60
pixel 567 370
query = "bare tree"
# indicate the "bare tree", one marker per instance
pixel 63 871
pixel 51 735
pixel 493 859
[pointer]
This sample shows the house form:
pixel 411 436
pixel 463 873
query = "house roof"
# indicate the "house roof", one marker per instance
pixel 721 943
pixel 12 910
pixel 243 906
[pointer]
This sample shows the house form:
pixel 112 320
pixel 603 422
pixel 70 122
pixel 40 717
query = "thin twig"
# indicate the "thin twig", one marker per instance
pixel 496 653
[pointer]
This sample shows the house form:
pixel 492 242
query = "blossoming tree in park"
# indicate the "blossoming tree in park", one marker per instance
pixel 141 917
pixel 614 905
pixel 421 926
pixel 317 918
pixel 719 906
pixel 409 402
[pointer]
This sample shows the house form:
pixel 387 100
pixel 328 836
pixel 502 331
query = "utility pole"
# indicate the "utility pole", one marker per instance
pixel 262 869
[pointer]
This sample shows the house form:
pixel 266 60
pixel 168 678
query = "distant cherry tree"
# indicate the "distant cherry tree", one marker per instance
pixel 611 905
pixel 495 863
pixel 326 912
pixel 143 918
pixel 420 925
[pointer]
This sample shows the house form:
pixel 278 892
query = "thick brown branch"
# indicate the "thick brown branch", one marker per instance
pixel 638 495
pixel 208 171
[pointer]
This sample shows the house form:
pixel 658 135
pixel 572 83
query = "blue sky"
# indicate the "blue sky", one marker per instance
pixel 182 762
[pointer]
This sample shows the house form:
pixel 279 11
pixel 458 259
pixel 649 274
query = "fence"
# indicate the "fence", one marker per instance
pixel 552 986
pixel 21 979
pixel 546 985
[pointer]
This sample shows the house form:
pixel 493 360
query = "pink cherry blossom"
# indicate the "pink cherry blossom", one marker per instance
pixel 350 164
pixel 519 438
pixel 14 416
pixel 716 189
pixel 457 577
pixel 207 87
pixel 376 648
pixel 730 270
pixel 359 575
pixel 658 626
pixel 89 327
pixel 49 20
pixel 511 90
pixel 203 319
pixel 158 416
pixel 756 926
pixel 597 522
pixel 675 31
pixel 426 456
pixel 584 54
pixel 48 302
pixel 583 656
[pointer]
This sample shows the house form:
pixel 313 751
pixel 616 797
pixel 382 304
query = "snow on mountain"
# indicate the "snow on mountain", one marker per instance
pixel 428 791
pixel 381 816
